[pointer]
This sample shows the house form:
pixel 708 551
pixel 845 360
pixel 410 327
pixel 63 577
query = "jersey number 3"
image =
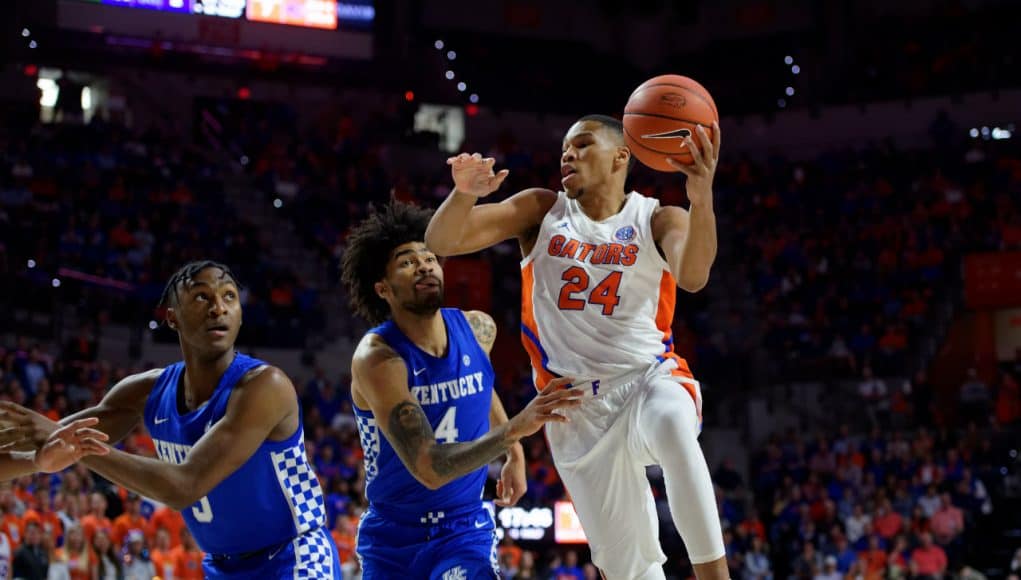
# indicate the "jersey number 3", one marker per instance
pixel 604 294
pixel 203 512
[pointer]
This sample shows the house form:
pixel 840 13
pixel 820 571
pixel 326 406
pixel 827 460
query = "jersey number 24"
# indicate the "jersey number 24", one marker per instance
pixel 605 293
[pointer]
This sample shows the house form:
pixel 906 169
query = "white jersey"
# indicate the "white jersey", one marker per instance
pixel 597 297
pixel 5 556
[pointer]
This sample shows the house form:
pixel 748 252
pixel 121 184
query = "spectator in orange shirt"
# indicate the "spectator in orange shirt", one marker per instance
pixel 10 523
pixel 345 537
pixel 76 555
pixel 131 519
pixel 510 549
pixel 96 518
pixel 948 521
pixel 161 554
pixel 887 522
pixel 170 520
pixel 928 561
pixel 43 513
pixel 187 559
pixel 875 559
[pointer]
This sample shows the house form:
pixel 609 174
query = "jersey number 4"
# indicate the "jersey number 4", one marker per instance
pixel 604 294
pixel 446 431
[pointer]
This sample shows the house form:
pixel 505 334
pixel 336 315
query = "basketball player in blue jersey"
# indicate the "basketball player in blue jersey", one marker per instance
pixel 228 432
pixel 427 414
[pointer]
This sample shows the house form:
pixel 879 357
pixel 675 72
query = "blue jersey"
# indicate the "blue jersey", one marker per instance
pixel 455 392
pixel 273 502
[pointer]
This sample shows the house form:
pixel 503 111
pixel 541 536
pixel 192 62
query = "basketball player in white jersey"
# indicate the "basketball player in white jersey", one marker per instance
pixel 599 274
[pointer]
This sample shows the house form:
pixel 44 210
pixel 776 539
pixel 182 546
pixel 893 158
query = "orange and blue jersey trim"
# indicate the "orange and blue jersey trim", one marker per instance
pixel 664 319
pixel 530 330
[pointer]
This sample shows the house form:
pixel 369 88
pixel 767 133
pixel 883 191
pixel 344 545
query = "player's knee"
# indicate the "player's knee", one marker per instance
pixel 675 422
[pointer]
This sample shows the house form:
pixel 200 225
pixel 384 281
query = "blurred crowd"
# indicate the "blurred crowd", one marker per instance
pixel 110 213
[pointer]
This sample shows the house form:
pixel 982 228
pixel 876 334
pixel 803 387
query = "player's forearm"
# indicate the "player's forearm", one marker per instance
pixel 436 465
pixel 699 250
pixel 116 424
pixel 16 464
pixel 447 226
pixel 450 461
pixel 152 478
pixel 498 417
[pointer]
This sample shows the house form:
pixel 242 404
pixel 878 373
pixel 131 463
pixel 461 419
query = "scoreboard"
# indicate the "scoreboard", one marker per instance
pixel 324 14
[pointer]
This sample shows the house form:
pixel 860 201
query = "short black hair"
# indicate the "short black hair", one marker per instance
pixel 368 251
pixel 616 127
pixel 188 272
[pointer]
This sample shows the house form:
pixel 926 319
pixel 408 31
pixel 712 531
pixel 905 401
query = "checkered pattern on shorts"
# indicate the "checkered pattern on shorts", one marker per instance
pixel 368 433
pixel 300 487
pixel 313 555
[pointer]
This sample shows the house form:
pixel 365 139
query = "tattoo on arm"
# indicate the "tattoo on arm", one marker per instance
pixel 484 329
pixel 410 430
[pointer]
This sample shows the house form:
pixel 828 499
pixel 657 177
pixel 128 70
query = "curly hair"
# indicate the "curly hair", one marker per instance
pixel 368 251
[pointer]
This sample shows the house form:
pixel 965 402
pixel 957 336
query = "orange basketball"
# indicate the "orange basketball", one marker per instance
pixel 660 113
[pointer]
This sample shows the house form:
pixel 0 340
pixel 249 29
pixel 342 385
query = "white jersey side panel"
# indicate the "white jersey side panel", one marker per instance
pixel 597 297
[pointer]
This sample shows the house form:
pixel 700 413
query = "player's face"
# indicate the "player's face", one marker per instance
pixel 414 280
pixel 207 314
pixel 589 156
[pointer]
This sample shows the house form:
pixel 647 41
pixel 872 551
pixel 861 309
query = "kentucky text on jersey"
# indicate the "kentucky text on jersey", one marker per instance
pixel 563 247
pixel 171 452
pixel 449 390
pixel 455 391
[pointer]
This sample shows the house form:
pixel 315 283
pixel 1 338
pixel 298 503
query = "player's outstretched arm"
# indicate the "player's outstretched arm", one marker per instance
pixel 257 405
pixel 381 379
pixel 122 407
pixel 461 227
pixel 63 447
pixel 688 238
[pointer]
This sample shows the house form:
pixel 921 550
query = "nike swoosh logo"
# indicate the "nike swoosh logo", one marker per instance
pixel 277 551
pixel 159 421
pixel 675 134
pixel 418 371
pixel 480 525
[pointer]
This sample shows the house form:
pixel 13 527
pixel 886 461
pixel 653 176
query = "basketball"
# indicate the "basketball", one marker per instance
pixel 660 113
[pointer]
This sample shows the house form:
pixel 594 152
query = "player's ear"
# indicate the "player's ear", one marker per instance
pixel 172 319
pixel 381 289
pixel 623 156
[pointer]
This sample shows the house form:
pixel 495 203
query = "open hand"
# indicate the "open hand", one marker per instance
pixel 69 444
pixel 512 484
pixel 474 175
pixel 23 429
pixel 556 396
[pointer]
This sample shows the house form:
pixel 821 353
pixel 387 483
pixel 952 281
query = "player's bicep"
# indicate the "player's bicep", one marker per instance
pixel 670 231
pixel 483 327
pixel 382 381
pixel 491 223
pixel 122 406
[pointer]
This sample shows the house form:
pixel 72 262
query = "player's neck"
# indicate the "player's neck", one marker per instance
pixel 599 205
pixel 428 332
pixel 202 374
